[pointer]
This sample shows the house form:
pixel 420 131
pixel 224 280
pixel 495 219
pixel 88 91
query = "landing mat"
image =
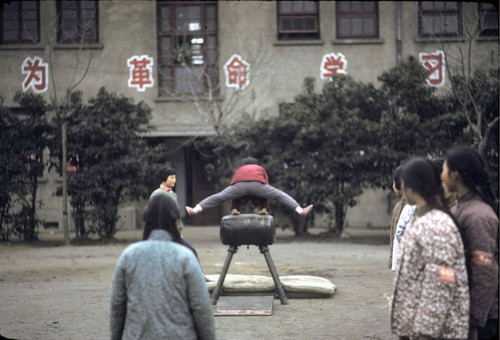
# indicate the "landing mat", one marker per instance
pixel 295 286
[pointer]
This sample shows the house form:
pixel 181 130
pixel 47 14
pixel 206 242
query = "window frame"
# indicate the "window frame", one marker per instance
pixel 357 14
pixel 433 12
pixel 170 67
pixel 21 21
pixel 78 39
pixel 305 34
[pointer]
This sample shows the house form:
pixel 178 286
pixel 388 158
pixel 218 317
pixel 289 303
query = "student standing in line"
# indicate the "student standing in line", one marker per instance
pixel 404 220
pixel 476 210
pixel 431 295
pixel 158 290
pixel 396 211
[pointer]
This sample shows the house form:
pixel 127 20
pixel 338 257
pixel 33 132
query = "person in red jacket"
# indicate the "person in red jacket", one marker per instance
pixel 250 182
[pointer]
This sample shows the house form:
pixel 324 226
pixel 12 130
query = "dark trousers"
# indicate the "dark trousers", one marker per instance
pixel 251 188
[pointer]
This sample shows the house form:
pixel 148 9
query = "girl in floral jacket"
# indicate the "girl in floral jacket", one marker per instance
pixel 431 296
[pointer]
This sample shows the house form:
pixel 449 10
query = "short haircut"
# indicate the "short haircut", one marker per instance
pixel 163 173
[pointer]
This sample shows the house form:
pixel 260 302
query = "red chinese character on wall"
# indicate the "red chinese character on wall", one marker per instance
pixel 37 74
pixel 237 72
pixel 333 65
pixel 434 63
pixel 141 72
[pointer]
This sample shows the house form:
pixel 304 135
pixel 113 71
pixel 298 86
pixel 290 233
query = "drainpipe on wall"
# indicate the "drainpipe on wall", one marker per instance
pixel 398 32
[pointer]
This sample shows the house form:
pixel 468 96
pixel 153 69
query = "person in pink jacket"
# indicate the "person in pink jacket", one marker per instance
pixel 250 182
pixel 431 294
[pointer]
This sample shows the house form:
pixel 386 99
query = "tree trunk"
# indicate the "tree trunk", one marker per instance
pixel 30 233
pixel 299 226
pixel 64 182
pixel 339 218
pixel 79 219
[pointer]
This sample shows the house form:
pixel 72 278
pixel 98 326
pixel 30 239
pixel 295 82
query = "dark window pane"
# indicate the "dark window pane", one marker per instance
pixel 356 6
pixel 211 50
pixel 450 5
pixel 11 25
pixel 357 26
pixel 297 6
pixel 30 15
pixel 194 12
pixel 368 6
pixel 165 19
pixel 370 26
pixel 357 19
pixel 30 5
pixel 488 20
pixel 10 36
pixel 298 20
pixel 440 19
pixel 213 75
pixel 344 6
pixel 77 21
pixel 188 80
pixel 309 7
pixel 427 5
pixel 211 19
pixel 67 5
pixel 19 23
pixel 298 25
pixel 309 24
pixel 165 80
pixel 345 26
pixel 286 24
pixel 165 50
pixel 188 18
pixel 89 5
pixel 451 24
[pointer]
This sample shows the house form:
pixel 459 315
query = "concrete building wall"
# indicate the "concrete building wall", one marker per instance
pixel 247 28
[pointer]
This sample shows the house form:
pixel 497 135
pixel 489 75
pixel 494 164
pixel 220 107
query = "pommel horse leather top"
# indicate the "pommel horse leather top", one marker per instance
pixel 248 229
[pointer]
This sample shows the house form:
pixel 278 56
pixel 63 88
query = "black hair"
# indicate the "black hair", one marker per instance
pixel 163 173
pixel 424 177
pixel 396 177
pixel 162 213
pixel 473 172
pixel 249 160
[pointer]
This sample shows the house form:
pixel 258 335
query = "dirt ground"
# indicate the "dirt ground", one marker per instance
pixel 51 291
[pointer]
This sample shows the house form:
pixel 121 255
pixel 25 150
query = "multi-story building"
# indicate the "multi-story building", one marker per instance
pixel 200 64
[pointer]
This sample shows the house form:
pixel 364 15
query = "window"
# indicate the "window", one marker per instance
pixel 187 47
pixel 440 19
pixel 298 20
pixel 357 19
pixel 20 23
pixel 77 22
pixel 488 20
